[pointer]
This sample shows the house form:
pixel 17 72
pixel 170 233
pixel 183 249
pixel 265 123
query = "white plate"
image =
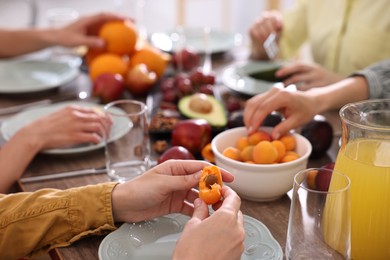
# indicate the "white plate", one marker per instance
pixel 33 76
pixel 12 125
pixel 156 239
pixel 237 77
pixel 194 37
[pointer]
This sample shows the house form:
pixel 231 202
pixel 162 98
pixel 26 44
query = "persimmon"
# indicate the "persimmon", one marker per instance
pixel 210 184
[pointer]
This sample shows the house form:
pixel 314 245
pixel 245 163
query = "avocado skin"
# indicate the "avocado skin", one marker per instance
pixel 266 75
pixel 217 118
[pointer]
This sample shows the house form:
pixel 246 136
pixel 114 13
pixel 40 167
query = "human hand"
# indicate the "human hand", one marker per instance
pixel 66 127
pixel 166 188
pixel 219 236
pixel 297 107
pixel 306 75
pixel 268 22
pixel 85 31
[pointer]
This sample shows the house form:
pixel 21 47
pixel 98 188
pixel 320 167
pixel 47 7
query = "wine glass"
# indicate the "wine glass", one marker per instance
pixel 320 222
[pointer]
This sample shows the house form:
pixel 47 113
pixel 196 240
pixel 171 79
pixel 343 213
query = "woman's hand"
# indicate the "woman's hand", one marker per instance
pixel 166 188
pixel 306 75
pixel 219 236
pixel 69 126
pixel 85 31
pixel 298 107
pixel 270 21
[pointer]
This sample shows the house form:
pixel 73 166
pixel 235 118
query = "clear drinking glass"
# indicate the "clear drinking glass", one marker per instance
pixel 127 146
pixel 320 223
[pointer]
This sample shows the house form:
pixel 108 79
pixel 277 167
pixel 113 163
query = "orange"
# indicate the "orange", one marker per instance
pixel 154 59
pixel 120 37
pixel 107 63
pixel 91 54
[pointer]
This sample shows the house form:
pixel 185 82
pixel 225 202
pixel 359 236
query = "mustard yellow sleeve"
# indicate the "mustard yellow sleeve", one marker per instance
pixel 294 32
pixel 34 222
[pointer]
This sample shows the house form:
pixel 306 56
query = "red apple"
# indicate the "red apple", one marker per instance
pixel 176 152
pixel 139 79
pixel 193 134
pixel 108 87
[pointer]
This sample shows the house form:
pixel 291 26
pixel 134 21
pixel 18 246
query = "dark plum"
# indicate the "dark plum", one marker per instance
pixel 319 132
pixel 272 119
pixel 236 119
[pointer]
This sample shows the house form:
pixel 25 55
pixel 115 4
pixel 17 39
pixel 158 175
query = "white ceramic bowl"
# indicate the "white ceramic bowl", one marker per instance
pixel 259 182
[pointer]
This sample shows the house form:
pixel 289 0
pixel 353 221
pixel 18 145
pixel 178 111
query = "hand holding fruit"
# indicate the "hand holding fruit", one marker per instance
pixel 223 229
pixel 170 189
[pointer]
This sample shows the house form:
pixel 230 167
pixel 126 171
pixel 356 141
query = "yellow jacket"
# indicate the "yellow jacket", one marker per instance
pixel 33 222
pixel 344 35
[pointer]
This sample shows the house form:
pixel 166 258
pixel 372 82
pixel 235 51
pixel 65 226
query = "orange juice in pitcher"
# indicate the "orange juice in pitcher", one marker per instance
pixel 365 158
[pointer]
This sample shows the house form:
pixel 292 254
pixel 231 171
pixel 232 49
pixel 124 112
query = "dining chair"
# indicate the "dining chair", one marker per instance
pixel 224 12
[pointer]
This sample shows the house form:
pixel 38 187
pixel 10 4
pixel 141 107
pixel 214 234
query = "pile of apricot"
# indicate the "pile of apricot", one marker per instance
pixel 260 148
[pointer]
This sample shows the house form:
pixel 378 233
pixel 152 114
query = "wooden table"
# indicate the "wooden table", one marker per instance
pixel 273 214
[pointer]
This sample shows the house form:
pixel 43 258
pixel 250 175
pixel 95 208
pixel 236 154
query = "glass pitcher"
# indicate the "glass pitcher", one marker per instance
pixel 365 157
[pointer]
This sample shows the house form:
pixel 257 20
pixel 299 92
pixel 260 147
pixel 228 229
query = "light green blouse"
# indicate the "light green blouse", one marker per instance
pixel 344 35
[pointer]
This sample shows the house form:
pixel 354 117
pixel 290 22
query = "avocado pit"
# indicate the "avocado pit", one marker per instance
pixel 199 103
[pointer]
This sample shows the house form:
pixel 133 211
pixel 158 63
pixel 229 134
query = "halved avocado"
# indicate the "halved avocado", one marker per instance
pixel 203 106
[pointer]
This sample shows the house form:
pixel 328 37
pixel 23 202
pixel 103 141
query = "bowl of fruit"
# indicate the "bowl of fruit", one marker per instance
pixel 263 168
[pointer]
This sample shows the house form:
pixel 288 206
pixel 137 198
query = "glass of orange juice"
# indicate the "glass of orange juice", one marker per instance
pixel 364 156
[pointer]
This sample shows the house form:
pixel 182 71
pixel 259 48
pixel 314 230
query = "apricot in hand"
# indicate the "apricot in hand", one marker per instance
pixel 210 184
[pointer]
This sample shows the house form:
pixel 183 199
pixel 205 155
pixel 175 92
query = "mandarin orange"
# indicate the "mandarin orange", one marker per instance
pixel 107 63
pixel 120 37
pixel 153 58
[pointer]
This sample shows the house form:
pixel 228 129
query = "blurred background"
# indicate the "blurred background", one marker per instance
pixel 233 16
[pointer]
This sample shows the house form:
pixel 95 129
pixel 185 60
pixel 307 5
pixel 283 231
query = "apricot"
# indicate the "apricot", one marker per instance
pixel 289 141
pixel 258 136
pixel 265 153
pixel 290 156
pixel 311 179
pixel 207 153
pixel 247 153
pixel 232 153
pixel 279 145
pixel 242 142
